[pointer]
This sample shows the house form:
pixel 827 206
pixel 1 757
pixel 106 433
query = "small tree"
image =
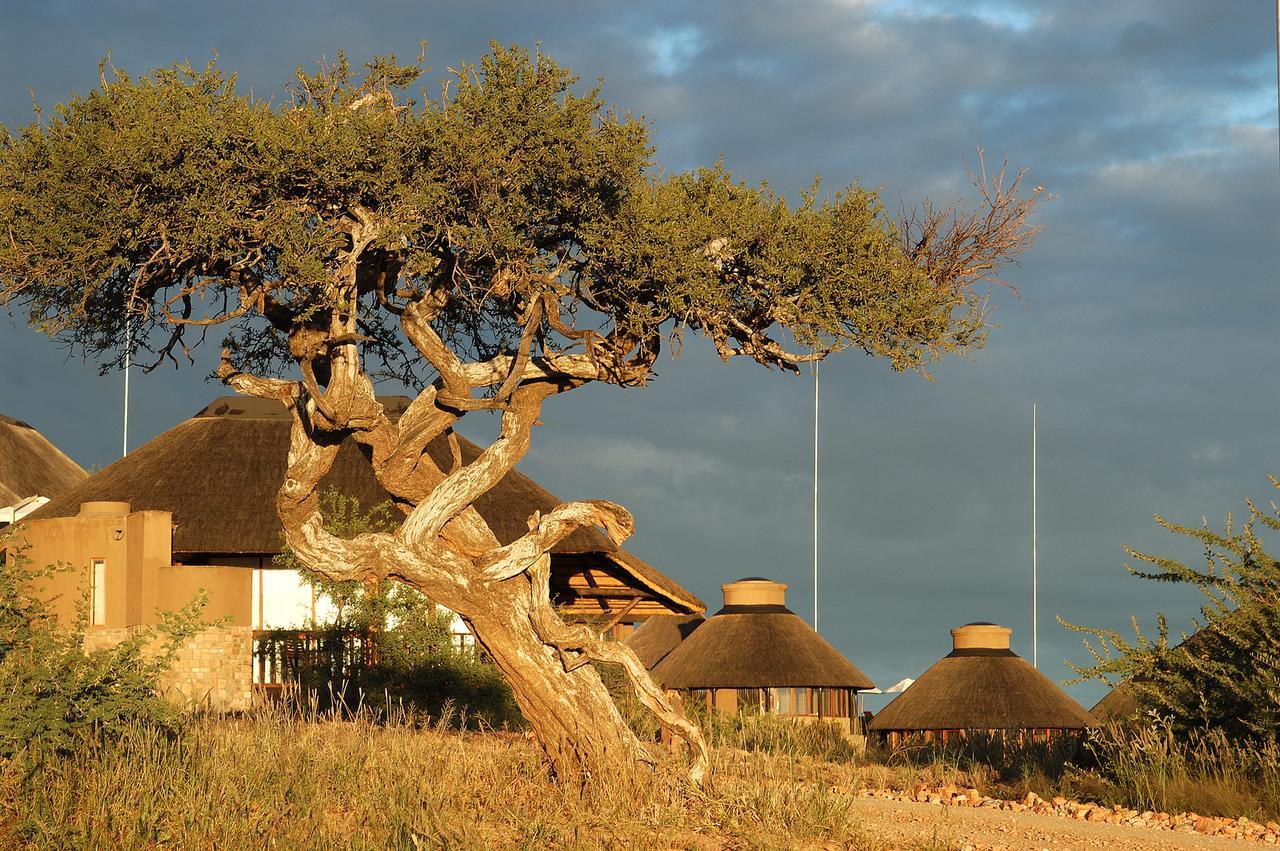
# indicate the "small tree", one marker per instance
pixel 496 244
pixel 358 604
pixel 54 695
pixel 1226 675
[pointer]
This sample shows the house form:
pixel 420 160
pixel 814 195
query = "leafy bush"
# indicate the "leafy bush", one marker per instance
pixel 1226 676
pixel 53 694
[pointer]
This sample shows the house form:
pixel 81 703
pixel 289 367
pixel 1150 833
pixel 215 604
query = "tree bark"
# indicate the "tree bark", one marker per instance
pixel 571 712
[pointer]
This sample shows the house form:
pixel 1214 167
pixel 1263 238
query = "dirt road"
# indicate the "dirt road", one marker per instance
pixel 907 823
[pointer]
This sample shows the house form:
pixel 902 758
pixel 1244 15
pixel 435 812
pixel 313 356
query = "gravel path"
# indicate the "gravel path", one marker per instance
pixel 906 822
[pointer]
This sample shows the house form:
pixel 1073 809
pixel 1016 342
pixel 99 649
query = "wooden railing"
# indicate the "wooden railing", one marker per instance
pixel 282 656
pixel 285 656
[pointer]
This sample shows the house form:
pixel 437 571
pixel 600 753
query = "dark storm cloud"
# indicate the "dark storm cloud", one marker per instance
pixel 1145 329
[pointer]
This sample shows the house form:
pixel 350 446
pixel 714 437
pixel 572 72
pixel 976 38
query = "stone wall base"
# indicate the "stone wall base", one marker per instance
pixel 213 669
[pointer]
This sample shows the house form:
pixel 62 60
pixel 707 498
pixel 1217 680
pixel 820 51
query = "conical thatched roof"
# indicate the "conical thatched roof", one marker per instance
pixel 32 466
pixel 754 643
pixel 219 472
pixel 661 634
pixel 1117 705
pixel 979 686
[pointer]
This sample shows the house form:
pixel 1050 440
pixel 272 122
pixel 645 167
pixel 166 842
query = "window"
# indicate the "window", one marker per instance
pixel 98 591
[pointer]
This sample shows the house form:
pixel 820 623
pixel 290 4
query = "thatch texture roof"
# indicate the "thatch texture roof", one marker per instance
pixel 765 646
pixel 982 689
pixel 219 472
pixel 32 466
pixel 1117 705
pixel 661 634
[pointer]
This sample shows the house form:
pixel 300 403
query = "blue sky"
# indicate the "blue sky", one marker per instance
pixel 1145 330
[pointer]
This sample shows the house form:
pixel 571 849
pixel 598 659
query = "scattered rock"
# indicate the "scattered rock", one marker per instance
pixel 1192 823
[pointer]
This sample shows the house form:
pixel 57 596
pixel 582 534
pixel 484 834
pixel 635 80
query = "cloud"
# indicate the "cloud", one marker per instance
pixel 674 49
pixel 1210 454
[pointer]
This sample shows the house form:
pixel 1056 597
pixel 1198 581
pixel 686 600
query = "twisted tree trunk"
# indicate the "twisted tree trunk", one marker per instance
pixel 445 550
pixel 572 714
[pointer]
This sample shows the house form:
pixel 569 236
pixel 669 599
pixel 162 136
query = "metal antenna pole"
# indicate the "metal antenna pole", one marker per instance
pixel 1035 578
pixel 815 496
pixel 128 346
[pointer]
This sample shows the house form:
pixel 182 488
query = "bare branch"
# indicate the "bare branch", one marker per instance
pixel 532 322
pixel 416 322
pixel 287 392
pixel 458 490
pixel 962 248
pixel 497 369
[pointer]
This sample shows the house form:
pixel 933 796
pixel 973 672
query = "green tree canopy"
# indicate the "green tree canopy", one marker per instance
pixel 176 201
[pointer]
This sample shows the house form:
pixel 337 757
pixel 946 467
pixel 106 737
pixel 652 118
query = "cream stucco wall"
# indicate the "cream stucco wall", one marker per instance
pixel 140 577
pixel 213 668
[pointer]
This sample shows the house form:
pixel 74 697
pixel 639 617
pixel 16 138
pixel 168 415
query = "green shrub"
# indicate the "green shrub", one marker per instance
pixel 1226 675
pixel 53 694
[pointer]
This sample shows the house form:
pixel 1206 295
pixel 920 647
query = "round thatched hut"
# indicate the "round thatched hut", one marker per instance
pixel 661 634
pixel 981 685
pixel 32 470
pixel 1117 705
pixel 755 654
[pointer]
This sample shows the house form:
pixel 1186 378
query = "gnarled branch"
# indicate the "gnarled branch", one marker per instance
pixel 568 638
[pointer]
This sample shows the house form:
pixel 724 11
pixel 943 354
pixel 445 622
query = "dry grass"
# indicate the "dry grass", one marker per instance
pixel 1146 768
pixel 291 780
pixel 1156 767
pixel 276 779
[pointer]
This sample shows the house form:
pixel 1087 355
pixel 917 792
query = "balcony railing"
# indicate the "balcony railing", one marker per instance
pixel 283 656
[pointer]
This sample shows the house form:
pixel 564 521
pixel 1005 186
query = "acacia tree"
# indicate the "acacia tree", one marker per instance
pixel 1226 674
pixel 494 244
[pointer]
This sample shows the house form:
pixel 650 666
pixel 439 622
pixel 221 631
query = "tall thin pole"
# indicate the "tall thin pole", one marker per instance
pixel 128 346
pixel 815 496
pixel 1035 577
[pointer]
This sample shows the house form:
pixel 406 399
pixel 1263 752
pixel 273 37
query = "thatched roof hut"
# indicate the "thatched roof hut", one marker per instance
pixel 32 466
pixel 756 642
pixel 981 685
pixel 1116 705
pixel 660 635
pixel 219 472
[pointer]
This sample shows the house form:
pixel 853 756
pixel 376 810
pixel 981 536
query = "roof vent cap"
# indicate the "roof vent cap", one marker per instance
pixel 104 509
pixel 754 591
pixel 980 636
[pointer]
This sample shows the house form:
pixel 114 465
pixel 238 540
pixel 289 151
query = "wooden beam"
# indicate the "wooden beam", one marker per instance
pixel 619 593
pixel 622 613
